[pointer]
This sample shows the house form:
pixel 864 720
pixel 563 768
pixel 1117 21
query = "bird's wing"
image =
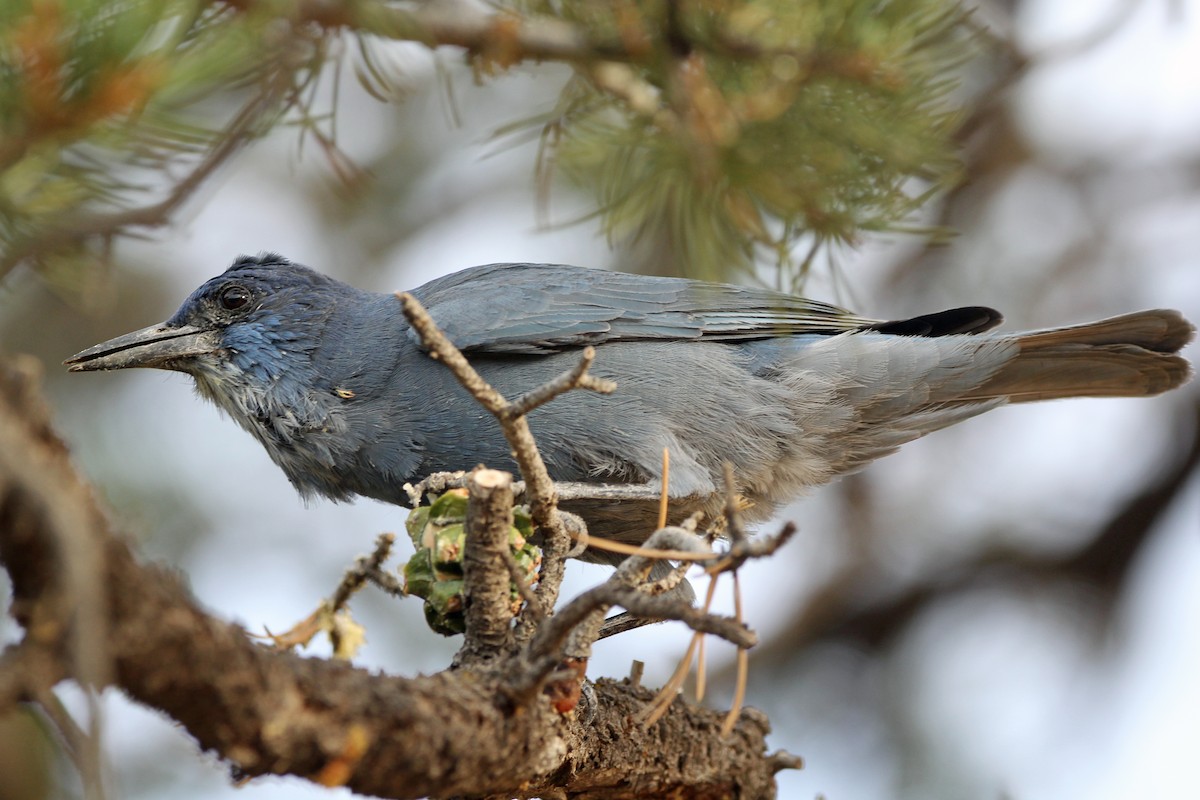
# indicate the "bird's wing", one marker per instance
pixel 541 308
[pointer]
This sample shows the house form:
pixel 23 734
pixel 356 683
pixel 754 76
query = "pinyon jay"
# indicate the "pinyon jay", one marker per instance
pixel 334 383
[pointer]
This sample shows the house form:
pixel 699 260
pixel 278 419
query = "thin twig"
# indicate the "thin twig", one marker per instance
pixel 733 508
pixel 666 695
pixel 577 625
pixel 575 378
pixel 752 548
pixel 628 621
pixel 731 630
pixel 654 710
pixel 636 670
pixel 517 576
pixel 508 38
pixel 624 82
pixel 505 37
pixel 743 667
pixel 385 581
pixel 542 495
pixel 74 737
pixel 666 583
pixel 662 500
pixel 612 546
pixel 574 617
pixel 366 569
pixel 782 759
pixel 543 501
pixel 439 482
pixel 363 571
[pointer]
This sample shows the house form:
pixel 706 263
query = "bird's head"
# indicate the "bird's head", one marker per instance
pixel 247 336
pixel 280 348
pixel 257 316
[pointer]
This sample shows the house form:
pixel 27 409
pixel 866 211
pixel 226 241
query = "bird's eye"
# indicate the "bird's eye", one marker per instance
pixel 234 297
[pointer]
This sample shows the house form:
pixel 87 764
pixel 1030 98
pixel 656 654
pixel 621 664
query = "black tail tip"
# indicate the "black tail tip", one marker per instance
pixel 968 319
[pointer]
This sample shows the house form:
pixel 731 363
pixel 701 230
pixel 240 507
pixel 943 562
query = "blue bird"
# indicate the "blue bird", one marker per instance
pixel 335 385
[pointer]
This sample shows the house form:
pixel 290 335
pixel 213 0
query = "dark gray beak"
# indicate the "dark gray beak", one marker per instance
pixel 158 346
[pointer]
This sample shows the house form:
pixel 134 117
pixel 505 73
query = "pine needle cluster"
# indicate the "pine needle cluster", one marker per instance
pixel 740 129
pixel 108 106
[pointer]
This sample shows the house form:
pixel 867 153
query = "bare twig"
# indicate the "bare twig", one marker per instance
pixel 579 621
pixel 439 482
pixel 782 759
pixel 72 735
pixel 502 37
pixel 517 576
pixel 627 620
pixel 576 378
pixel 621 80
pixel 569 630
pixel 612 546
pixel 663 499
pixel 516 430
pixel 543 501
pixel 743 666
pixel 730 629
pixel 654 710
pixel 667 583
pixel 542 496
pixel 747 549
pixel 386 582
pixel 733 508
pixel 636 670
pixel 366 569
pixel 601 491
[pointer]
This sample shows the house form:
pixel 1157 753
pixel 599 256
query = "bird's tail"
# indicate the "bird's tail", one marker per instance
pixel 1134 355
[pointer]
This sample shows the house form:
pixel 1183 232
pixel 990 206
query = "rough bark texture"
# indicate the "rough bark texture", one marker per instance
pixel 264 711
pixel 489 515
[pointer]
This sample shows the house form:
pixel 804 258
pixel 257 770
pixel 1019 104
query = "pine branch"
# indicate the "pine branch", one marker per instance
pixel 269 712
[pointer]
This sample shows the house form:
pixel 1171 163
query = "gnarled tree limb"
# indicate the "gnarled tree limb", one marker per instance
pixel 269 712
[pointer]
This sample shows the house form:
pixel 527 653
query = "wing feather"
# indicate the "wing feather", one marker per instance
pixel 542 308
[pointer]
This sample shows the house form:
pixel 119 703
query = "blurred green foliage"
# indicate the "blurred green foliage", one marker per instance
pixel 737 130
pixel 755 124
pixel 102 100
